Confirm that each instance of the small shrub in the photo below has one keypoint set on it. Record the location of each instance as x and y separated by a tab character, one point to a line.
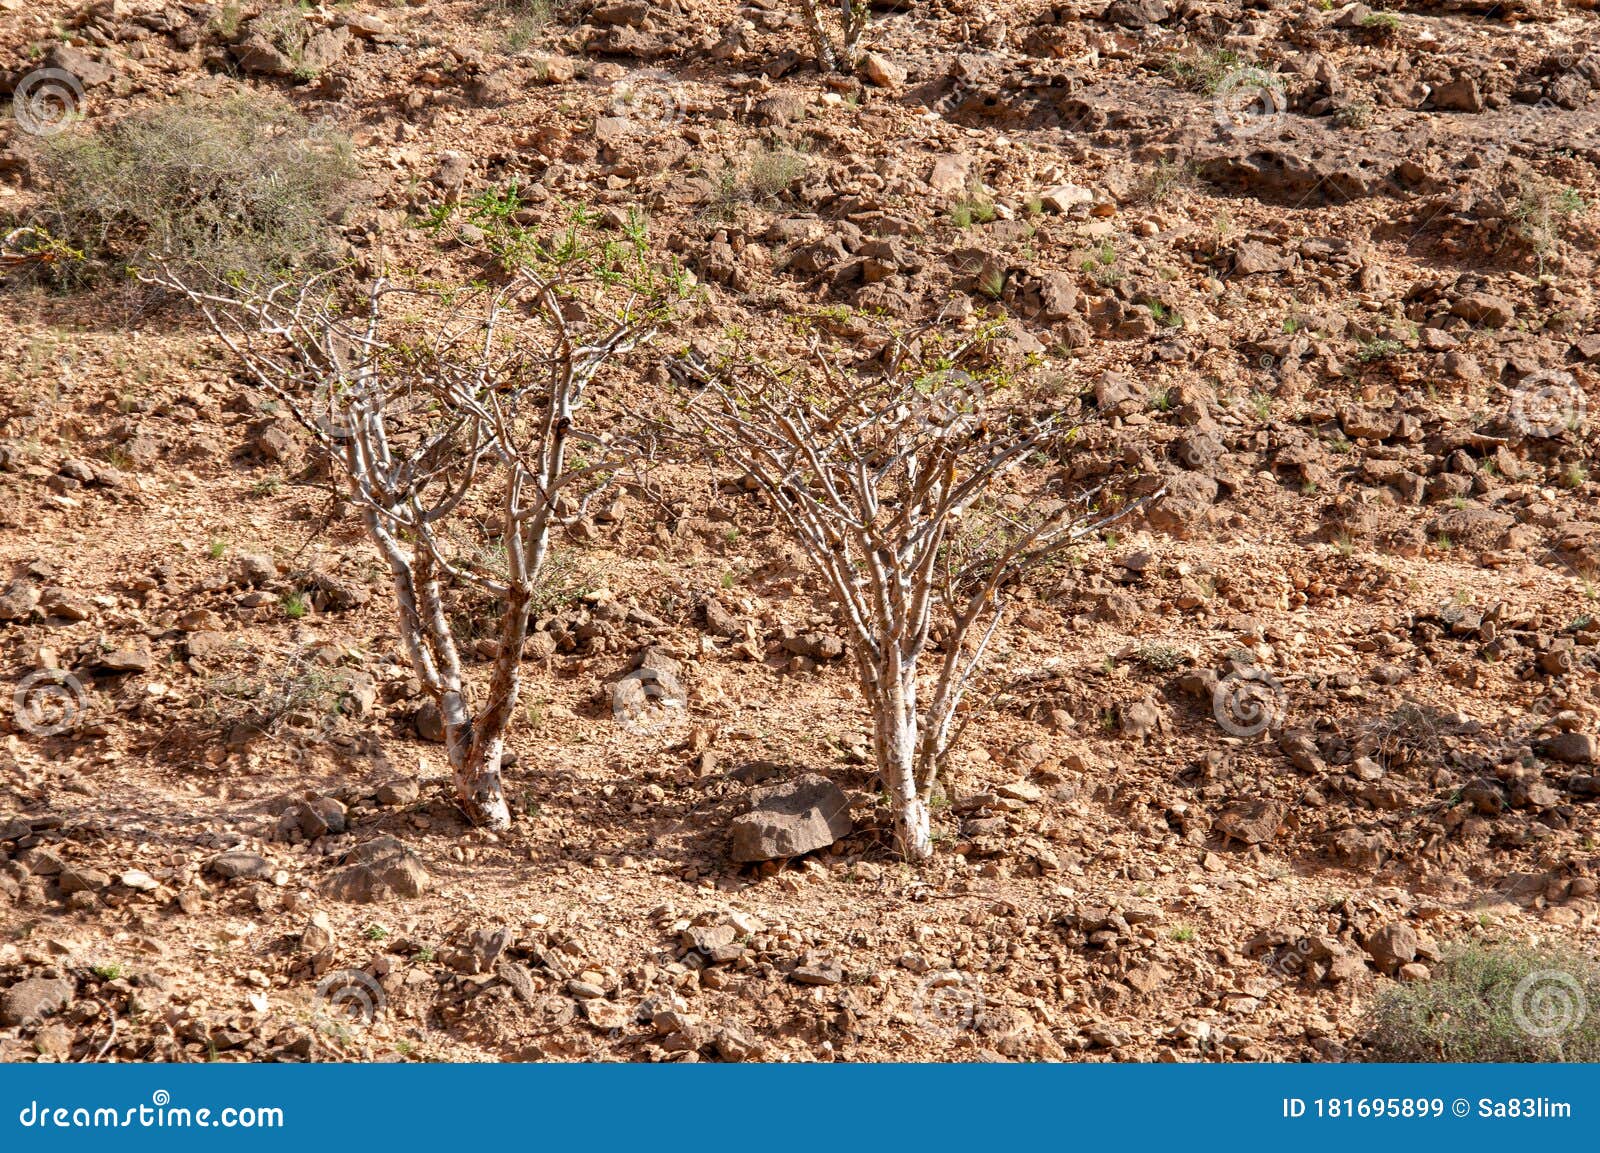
1373	350
528	20
772	171
286	29
1356	114
1492	1003
241	190
1203	73
764	174
1541	214
1380	24
1161	658
1168	176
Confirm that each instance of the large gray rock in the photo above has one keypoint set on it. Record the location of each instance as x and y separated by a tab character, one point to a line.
31	1001
798	816
378	870
237	863
1392	946
1573	748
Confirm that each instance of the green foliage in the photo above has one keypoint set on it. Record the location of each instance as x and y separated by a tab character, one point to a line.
1372	350
1203	73
1492	1003
578	250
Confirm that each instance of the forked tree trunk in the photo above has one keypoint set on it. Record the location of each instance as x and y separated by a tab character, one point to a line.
475	766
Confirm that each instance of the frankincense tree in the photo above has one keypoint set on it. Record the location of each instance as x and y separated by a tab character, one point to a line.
453	418
903	484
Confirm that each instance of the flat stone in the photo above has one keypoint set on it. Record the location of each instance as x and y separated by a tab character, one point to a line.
79	879
1572	748
124	661
798	816
236	863
817	970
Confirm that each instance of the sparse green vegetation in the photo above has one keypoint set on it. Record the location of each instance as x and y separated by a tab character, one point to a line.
527	20
1374	350
1356	114
1166	177
1201	73
1492	1003
974	209
1541	213
1380	24
763	175
1161	658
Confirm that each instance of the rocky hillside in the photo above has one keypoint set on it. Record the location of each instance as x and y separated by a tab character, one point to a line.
1264	752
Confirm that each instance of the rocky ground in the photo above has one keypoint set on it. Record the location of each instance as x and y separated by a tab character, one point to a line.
1328	272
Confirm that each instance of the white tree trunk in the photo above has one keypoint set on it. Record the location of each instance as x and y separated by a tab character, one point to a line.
895	747
475	767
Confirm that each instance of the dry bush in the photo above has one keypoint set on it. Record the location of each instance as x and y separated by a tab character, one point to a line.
240	191
1492	1003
